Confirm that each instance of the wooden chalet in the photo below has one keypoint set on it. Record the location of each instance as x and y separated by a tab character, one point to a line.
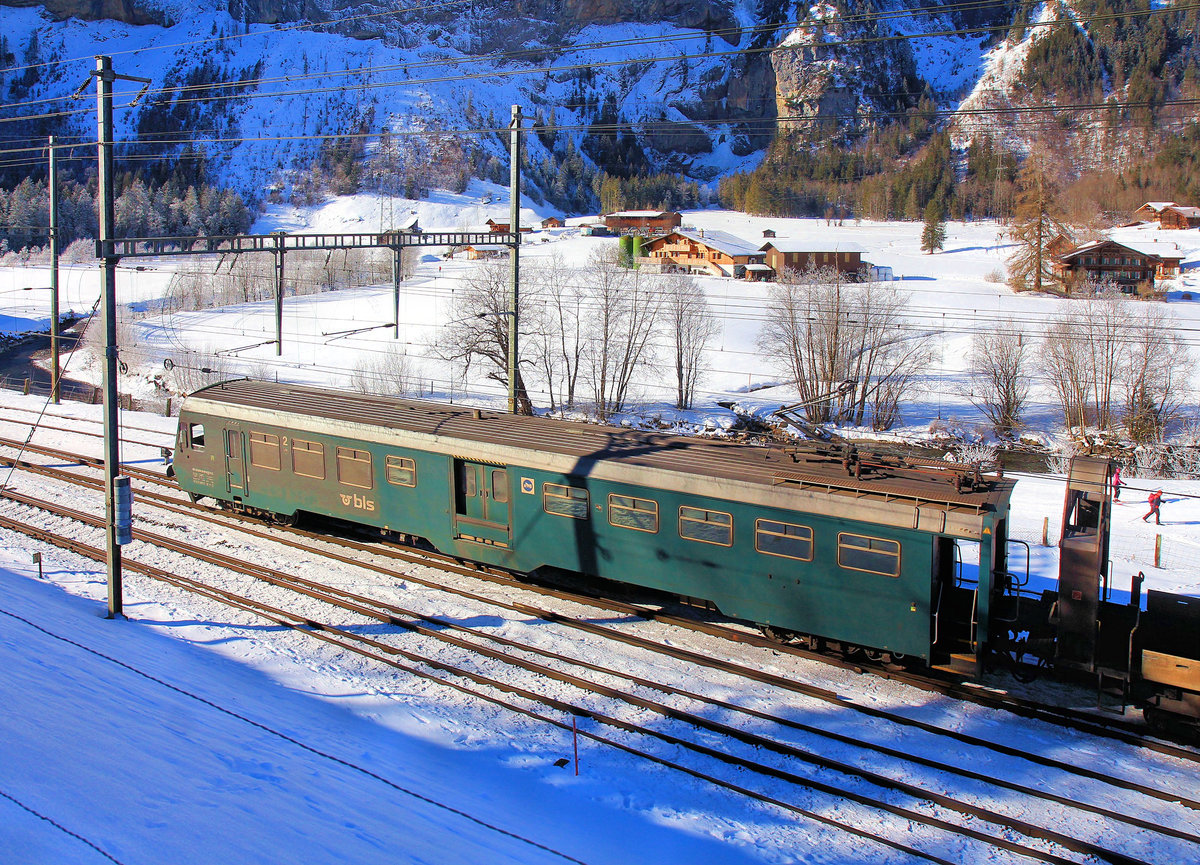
1179	216
1060	244
1128	265
1149	212
1168	214
503	227
552	222
716	253
485	251
642	221
786	254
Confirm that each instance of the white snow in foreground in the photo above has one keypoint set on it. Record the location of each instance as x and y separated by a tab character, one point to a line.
184	735
153	740
191	734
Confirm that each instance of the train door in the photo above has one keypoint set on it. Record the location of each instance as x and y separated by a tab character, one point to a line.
482	503
235	462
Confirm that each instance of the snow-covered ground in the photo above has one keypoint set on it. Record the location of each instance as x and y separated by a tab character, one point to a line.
191	734
259	753
952	297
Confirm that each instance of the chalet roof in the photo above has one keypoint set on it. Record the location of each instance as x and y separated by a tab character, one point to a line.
1185	210
1156	206
722	241
640	214
1156	248
488	247
760	268
792	244
1152	249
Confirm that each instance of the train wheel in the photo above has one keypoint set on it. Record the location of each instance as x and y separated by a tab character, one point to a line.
1158	720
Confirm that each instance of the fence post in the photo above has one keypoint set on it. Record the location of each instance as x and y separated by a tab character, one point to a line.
1157	551
168	413
1045	531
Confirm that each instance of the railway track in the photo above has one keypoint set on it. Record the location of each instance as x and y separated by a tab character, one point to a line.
551	666
552	616
1128	732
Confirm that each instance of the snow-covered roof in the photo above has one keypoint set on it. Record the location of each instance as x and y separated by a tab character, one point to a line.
1142	247
1185	210
723	241
639	214
793	244
760	268
1156	206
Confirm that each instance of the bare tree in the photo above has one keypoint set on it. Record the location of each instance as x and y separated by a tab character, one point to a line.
1155	372
823	331
480	319
1065	359
623	309
690	329
561	348
391	372
1081	352
997	383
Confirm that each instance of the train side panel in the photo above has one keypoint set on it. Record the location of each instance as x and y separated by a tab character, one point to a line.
849	581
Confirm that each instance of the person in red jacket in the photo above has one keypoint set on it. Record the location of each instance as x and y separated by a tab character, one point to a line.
1117	483
1154	501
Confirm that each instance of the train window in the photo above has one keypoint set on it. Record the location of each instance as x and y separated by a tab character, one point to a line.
565	501
401	471
354	467
264	451
308	459
631	513
783	539
196	435
873	555
709	527
500	486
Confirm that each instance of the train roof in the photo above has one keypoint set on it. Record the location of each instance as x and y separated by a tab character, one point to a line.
894	492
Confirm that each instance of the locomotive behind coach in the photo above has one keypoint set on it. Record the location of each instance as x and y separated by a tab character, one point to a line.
830	547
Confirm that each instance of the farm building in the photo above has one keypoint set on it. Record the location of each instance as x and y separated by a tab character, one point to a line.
642	221
786	254
1168	214
709	252
504	228
1149	212
484	251
1179	216
1126	264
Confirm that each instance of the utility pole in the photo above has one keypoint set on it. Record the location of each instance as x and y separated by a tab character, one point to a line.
514	184
55	366
105	249
116	488
397	275
278	293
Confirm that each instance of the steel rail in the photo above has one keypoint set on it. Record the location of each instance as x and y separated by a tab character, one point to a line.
826	695
371	608
387	654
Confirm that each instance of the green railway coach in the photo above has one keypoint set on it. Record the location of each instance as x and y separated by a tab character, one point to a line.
767	535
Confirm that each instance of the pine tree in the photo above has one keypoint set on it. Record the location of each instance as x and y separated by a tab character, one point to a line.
1035	224
933	236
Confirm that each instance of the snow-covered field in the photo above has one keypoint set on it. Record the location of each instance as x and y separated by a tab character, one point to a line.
185	735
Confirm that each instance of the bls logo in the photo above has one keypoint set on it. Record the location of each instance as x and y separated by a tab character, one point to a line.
356	501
